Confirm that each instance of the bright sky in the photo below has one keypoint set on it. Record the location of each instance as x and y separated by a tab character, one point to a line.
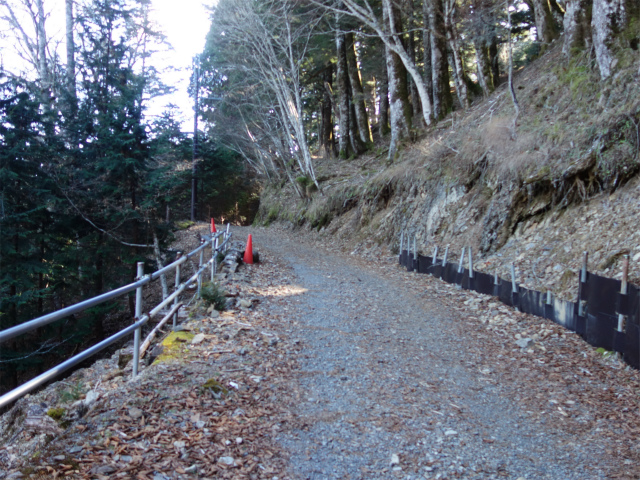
185	24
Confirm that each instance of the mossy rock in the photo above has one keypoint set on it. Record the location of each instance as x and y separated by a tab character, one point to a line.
123	360
214	387
175	347
56	413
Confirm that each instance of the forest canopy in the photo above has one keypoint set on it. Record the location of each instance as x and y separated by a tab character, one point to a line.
288	81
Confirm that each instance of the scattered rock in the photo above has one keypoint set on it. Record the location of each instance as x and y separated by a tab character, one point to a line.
198	339
227	461
103	470
245	303
395	459
135	413
525	343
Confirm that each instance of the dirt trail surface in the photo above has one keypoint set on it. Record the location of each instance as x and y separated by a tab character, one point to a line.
334	365
404	376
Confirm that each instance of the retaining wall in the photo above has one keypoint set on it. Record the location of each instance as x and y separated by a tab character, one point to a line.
601	300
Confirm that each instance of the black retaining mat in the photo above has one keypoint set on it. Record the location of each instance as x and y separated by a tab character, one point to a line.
506	296
600	330
450	273
563	313
423	264
632	345
483	283
601	294
602	297
532	302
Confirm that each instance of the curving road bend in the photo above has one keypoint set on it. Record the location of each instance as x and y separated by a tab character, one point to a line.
395	381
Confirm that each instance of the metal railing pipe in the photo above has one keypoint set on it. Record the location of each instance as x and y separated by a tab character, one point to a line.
155	275
197	250
49	375
25	327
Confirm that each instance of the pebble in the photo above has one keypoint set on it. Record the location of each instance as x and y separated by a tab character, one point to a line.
525	342
198	339
395	459
227	461
135	413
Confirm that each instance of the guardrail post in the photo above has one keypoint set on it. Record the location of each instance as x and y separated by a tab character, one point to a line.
470	264
583	279
226	237
435	255
444	259
401	241
175	300
136	334
461	264
199	272
514	286
623	289
213	256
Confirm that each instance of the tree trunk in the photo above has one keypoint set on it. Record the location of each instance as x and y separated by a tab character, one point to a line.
426	46
157	253
383	121
399	105
456	62
70	73
327	143
609	18
342	79
442	100
484	66
577	26
416	106
355	79
545	24
357	145
495	61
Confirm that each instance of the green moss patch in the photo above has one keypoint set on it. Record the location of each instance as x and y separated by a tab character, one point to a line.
175	347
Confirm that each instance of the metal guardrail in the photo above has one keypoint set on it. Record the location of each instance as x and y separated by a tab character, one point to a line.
141	280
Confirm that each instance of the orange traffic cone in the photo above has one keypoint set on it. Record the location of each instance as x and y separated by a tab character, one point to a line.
213	226
248	252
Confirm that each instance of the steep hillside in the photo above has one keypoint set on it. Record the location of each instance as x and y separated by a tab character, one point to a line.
564	182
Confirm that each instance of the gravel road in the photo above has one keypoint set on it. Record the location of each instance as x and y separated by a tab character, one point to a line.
394	383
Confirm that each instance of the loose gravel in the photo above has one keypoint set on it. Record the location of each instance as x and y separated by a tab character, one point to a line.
395	383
